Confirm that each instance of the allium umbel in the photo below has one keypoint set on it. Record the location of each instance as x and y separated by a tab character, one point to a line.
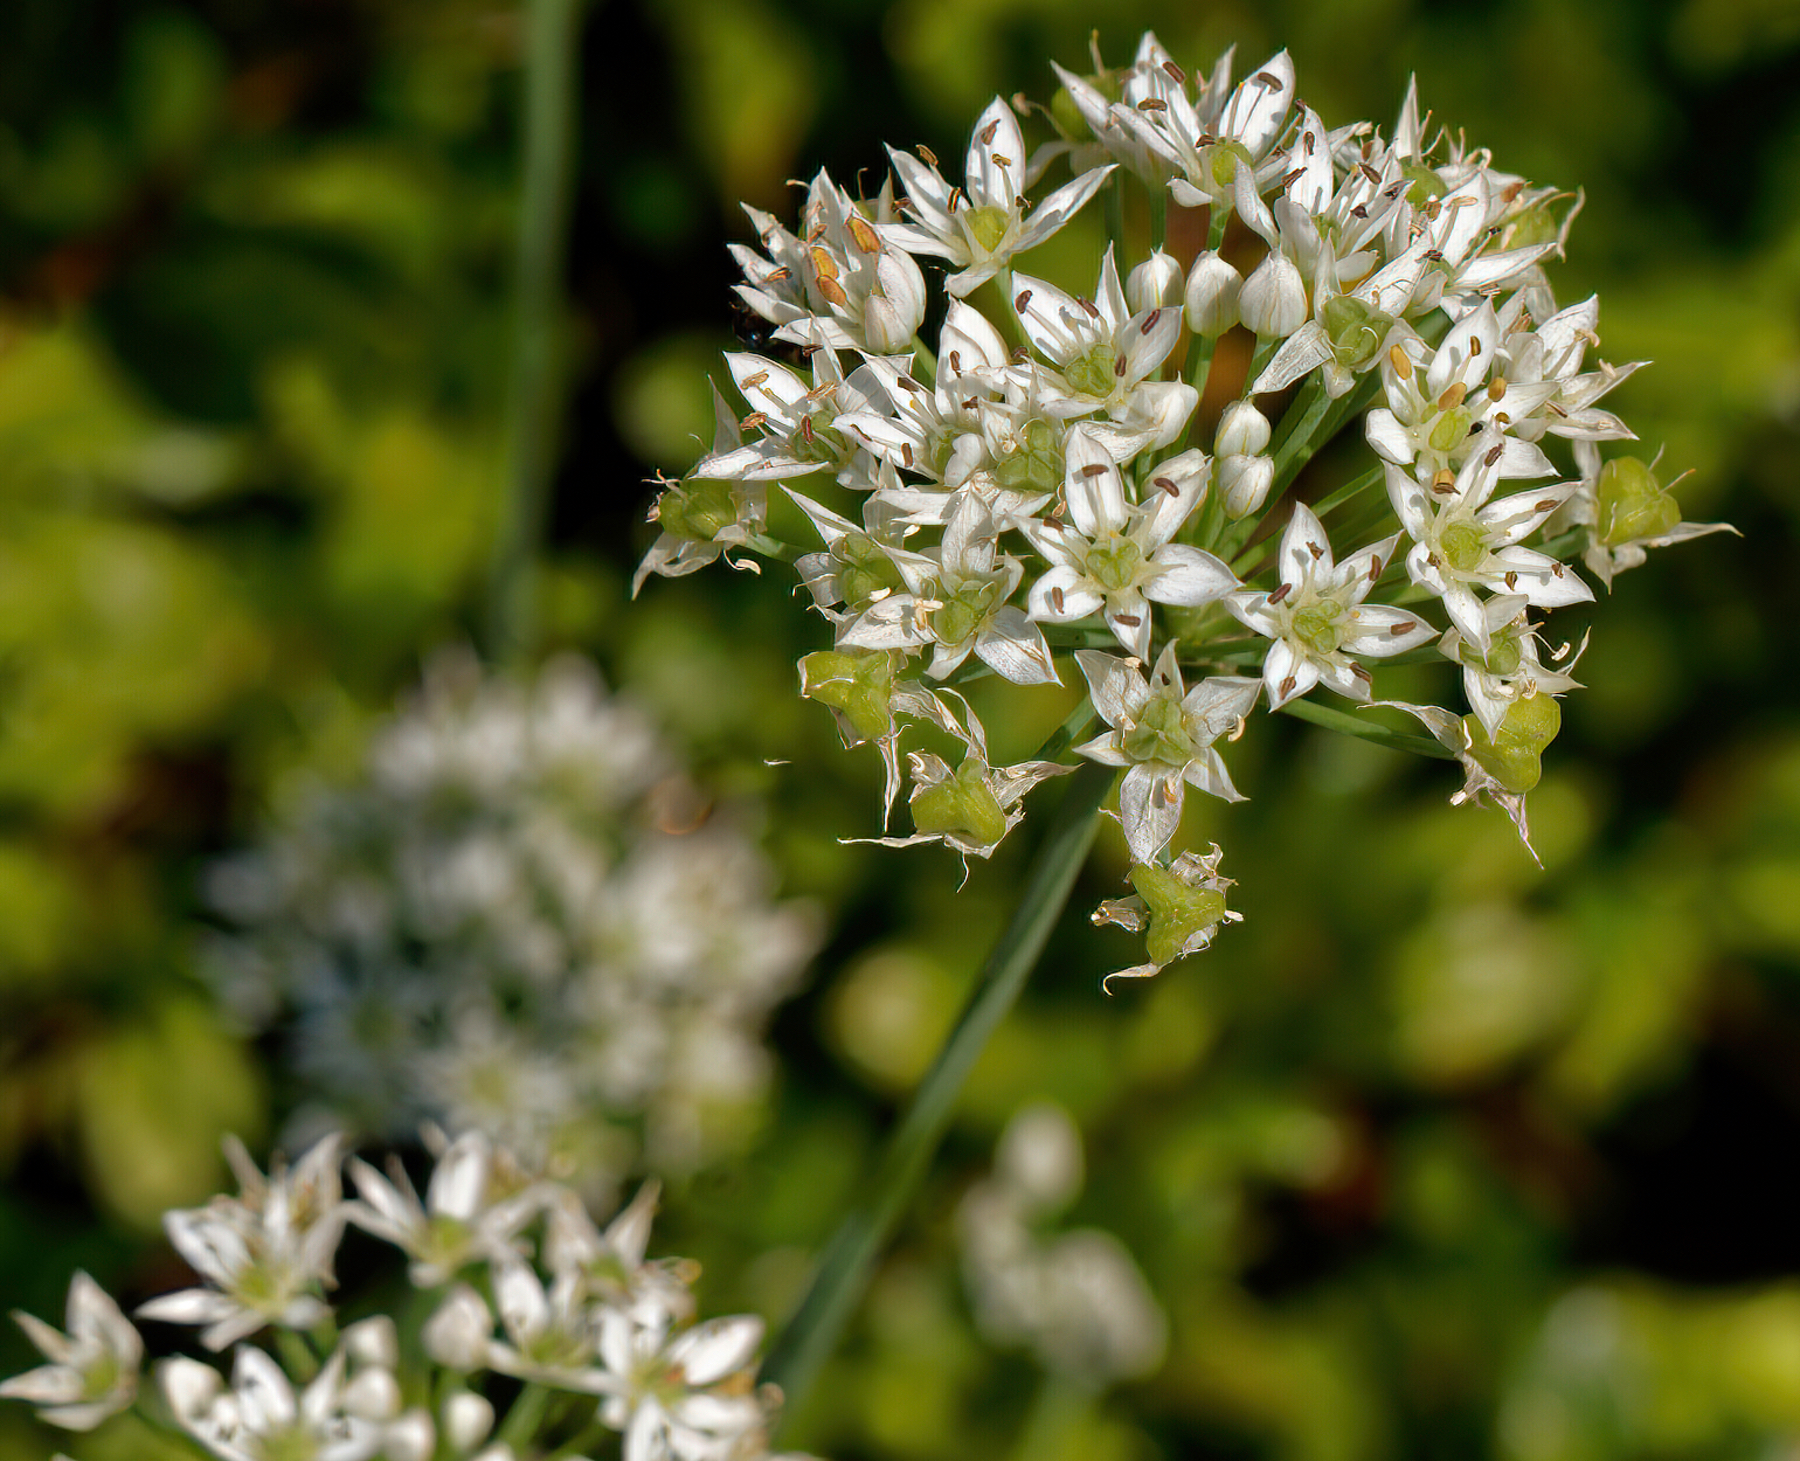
1041	479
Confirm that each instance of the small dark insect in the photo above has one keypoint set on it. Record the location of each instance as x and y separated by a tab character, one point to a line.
757	335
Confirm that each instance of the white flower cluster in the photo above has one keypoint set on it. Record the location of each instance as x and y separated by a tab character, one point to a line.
1100	474
520	921
1076	1298
599	1338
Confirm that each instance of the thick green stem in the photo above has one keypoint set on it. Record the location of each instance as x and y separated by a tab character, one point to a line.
844	1271
535	406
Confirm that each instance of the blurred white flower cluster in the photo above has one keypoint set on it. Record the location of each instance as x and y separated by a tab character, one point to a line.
522	921
537	1332
1076	1299
1104	471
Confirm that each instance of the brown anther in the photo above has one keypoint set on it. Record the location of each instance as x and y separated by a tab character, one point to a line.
989	132
1316	551
1281	593
1092	310
808	351
1434	256
956	196
1512	580
1266	79
806	428
1374	569
971	403
1056	598
753	420
1369	173
1022	299
1292	178
753	381
1359	211
1474	348
1020	355
955	362
1510	193
1500	419
1396	630
1095	469
1444	483
929	156
782	273
1361	673
1494	453
1130	621
1453	396
1152	104
907	383
1546	504
1556	570
1175	73
1551	405
1309	143
1001	161
1166	485
865	236
1287	686
1150	322
1119	366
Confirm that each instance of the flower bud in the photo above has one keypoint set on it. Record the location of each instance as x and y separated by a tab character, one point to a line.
1212	296
1632	504
1244	482
1272	303
410	1438
1243	431
1155	284
373	1395
467	1420
374	1341
457	1335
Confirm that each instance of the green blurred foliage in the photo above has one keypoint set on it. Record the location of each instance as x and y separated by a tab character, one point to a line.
1434	1154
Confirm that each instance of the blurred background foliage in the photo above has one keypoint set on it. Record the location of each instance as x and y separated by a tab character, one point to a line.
1434	1155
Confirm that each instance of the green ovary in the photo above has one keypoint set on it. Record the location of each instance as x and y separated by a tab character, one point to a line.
1450	430
1354	329
1513	755
697	510
1161	734
961	804
1464	546
821	444
1222	160
866	571
1423	182
1503	657
985	226
1319	627
858	683
1035	464
1094	374
964	612
1177	911
1632	503
1115	564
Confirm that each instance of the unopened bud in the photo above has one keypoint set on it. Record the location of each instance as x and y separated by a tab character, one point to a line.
410	1438
374	1341
896	305
374	1394
1156	283
1244	483
1243	431
467	1420
1212	296
1272	303
457	1335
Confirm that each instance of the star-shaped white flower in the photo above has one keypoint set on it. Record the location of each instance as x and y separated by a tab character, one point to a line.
93	1369
1317	618
1462	542
1164	736
680	1395
980	226
1116	557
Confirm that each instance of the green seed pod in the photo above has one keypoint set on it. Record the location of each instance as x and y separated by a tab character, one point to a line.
1096	373
867	569
961	803
1633	505
1035	464
1356	330
1423	184
1513	756
1177	911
